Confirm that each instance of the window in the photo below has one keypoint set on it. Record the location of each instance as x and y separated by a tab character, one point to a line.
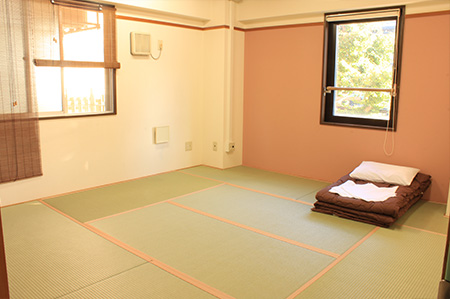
361	74
76	59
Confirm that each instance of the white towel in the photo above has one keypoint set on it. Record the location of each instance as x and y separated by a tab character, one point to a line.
367	192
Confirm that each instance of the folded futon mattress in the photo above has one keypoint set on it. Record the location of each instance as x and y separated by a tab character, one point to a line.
381	213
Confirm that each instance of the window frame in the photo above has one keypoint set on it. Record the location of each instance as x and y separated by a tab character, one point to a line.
329	67
109	63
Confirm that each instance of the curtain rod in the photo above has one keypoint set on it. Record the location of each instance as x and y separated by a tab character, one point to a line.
78	4
375	14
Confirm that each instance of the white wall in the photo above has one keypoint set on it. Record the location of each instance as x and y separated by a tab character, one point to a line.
214	95
182	90
162	92
223	92
237	106
184	11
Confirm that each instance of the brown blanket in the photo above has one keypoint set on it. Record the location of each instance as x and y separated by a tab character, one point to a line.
382	213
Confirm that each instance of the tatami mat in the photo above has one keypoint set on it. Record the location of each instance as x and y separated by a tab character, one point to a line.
100	202
265	181
392	263
143	282
244	232
426	215
281	217
233	260
49	256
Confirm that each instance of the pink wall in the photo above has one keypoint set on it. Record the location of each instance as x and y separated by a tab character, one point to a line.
282	94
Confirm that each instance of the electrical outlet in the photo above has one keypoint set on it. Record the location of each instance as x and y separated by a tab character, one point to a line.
214	146
231	146
188	146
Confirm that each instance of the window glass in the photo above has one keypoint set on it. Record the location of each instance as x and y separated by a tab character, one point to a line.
48	89
84	90
83	35
364	54
361	104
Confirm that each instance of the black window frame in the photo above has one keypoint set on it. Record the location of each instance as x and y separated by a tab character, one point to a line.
329	66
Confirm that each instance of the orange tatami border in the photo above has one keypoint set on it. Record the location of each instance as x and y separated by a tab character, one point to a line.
273	195
156	203
273	236
249	189
334	263
422	230
183	276
170	201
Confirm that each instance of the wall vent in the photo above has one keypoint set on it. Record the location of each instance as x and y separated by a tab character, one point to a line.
140	43
161	134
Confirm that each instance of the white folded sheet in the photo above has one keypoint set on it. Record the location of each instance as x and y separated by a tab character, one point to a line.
367	192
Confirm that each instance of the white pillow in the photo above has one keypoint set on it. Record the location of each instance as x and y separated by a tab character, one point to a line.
384	173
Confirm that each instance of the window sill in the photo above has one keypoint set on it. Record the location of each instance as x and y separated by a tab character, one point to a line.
63	116
357	126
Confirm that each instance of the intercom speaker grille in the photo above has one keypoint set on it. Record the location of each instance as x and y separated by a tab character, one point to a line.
140	43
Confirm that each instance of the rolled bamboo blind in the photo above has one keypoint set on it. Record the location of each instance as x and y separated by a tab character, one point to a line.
20	155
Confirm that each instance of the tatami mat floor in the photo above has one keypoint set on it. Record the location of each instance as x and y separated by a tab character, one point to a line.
204	233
